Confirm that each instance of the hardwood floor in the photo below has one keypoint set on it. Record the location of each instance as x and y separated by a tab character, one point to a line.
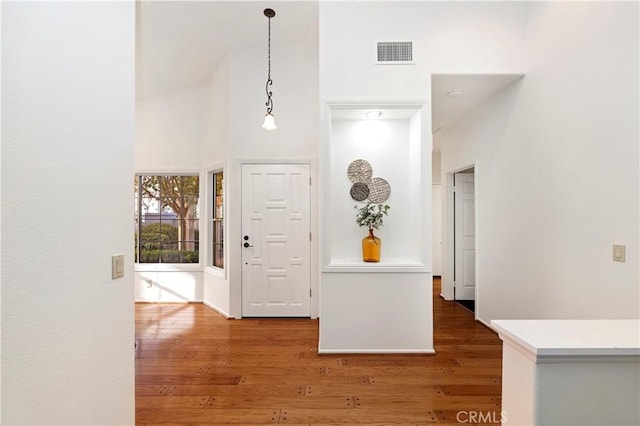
195	367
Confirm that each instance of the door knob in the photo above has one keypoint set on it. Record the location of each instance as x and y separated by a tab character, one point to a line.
247	245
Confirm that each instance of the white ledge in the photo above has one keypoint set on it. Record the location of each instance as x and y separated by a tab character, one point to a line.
385	265
375	351
168	267
545	341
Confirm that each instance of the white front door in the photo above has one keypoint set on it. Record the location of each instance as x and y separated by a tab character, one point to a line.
465	237
276	252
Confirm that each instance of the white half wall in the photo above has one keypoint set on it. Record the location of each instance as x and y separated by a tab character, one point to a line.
558	170
67	168
376	313
175	286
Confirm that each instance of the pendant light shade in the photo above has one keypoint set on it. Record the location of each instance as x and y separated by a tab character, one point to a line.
269	122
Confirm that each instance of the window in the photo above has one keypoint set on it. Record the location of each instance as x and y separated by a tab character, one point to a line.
167	218
218	219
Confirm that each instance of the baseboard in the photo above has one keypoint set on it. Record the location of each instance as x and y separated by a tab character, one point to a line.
218	310
483	322
377	351
166	302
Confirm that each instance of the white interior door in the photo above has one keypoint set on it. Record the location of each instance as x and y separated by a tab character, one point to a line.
276	252
465	237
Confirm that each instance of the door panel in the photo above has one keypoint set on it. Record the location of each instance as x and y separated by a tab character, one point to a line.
276	277
465	235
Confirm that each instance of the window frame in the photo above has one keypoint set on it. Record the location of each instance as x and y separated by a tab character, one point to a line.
175	267
210	200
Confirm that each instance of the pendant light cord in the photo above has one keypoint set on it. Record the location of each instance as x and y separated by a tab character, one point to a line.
269	103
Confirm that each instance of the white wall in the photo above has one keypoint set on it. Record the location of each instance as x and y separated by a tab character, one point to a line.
558	173
294	70
169	131
436	213
170	137
436	229
218	124
436	167
67	167
215	116
215	152
448	37
0	226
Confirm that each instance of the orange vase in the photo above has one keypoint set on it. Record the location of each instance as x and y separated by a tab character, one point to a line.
371	248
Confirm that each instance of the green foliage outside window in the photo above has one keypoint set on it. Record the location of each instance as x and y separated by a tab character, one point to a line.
167	219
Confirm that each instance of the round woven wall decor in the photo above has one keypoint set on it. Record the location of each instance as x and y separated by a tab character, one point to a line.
359	191
360	171
379	190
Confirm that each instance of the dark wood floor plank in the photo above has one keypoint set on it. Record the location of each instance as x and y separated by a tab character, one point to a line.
385	415
291	391
203	416
442	402
171	401
266	401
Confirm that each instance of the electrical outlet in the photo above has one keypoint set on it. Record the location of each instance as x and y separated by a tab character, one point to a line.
619	253
117	266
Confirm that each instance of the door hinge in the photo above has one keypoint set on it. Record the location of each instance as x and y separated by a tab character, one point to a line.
309	180
309	292
309	236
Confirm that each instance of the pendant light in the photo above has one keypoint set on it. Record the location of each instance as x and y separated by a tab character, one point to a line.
269	122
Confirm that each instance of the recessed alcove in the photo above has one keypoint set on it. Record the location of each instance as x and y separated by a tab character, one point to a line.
393	145
386	306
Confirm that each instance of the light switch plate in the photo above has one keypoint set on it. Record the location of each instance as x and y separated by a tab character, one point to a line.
117	266
619	253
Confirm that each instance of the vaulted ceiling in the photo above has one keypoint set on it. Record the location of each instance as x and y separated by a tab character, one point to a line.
180	43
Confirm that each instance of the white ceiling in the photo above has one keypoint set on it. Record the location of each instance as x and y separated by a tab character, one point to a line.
476	89
180	43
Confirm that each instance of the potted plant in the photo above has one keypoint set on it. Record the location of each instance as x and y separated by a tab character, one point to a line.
371	215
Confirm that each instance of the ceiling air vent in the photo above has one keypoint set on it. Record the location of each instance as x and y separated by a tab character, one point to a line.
394	52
